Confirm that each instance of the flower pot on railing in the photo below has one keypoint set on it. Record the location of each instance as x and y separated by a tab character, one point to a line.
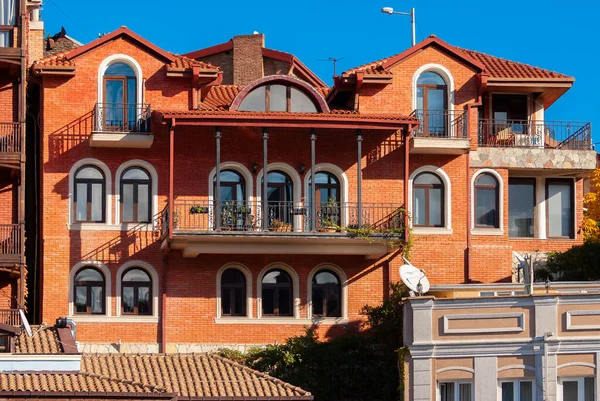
280	226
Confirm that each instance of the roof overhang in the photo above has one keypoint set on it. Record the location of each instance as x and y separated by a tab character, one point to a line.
550	89
46	70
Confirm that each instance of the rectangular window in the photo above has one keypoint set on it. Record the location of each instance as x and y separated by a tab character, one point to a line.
453	391
559	207
576	389
521	207
517	390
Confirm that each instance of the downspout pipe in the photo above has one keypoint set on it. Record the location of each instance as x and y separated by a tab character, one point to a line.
407	136
469	209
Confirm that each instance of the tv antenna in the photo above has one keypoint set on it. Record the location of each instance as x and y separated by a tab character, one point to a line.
334	60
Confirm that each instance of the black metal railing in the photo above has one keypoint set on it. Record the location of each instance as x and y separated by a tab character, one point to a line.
10	137
287	217
535	134
122	117
441	124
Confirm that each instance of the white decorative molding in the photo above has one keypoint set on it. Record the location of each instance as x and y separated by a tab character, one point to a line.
343	286
509	367
488	230
571	326
154	182
295	290
154	277
447	229
328	321
238	168
130	61
107	288
585	364
248	275
461	368
483	316
107	186
438	69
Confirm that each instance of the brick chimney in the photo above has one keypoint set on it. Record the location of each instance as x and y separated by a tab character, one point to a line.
247	58
35	32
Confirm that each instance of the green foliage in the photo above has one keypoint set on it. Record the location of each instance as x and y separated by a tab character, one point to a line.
352	366
580	263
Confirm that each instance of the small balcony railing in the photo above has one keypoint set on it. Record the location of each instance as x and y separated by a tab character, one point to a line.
122	117
6	35
10	137
441	124
347	218
535	134
11	241
10	317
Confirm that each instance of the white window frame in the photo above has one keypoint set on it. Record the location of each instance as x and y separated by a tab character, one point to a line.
295	292
72	224
246	272
456	388
580	387
517	388
343	295
447	228
343	180
154	195
155	295
491	230
107	290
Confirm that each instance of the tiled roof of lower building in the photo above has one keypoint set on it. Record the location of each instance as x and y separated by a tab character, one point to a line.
45	340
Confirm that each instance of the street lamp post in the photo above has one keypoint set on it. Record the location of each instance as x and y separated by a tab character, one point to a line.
390	11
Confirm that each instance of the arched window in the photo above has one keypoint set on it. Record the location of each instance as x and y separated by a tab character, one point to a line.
487	201
277	293
432	103
280	191
233	186
233	293
136	196
326	294
89	195
428	200
89	291
278	97
327	191
120	100
136	292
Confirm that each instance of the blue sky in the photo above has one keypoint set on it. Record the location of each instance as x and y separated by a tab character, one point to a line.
560	36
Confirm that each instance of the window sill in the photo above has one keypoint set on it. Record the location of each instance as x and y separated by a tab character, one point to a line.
540	239
432	231
110	227
487	231
113	319
283	320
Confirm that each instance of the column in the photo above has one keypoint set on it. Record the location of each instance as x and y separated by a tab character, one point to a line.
486	378
359	139
313	187
217	191
171	173
265	206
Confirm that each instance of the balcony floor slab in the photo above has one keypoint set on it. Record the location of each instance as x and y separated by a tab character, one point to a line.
439	146
121	140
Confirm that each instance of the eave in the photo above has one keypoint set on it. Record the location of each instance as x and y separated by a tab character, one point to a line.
179	72
54	70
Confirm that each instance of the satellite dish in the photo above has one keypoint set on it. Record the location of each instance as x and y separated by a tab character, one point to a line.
25	323
415	279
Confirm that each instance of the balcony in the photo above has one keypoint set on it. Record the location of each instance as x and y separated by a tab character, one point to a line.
11	244
337	229
534	144
122	125
7	41
441	132
10	142
10	317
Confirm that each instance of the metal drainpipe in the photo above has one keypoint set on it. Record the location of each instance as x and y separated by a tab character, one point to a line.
406	177
468	182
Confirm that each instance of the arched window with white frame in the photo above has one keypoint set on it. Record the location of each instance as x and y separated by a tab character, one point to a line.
429	201
136	192
278	292
137	291
327	292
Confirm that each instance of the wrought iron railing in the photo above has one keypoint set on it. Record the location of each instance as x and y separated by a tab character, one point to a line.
10	137
535	134
441	124
10	240
10	317
287	217
122	117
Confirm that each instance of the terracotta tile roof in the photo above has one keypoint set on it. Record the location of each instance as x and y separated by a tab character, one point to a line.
44	341
191	375
220	97
184	62
71	382
60	42
375	68
55	60
498	67
324	91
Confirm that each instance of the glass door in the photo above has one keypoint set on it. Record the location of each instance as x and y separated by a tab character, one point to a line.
432	99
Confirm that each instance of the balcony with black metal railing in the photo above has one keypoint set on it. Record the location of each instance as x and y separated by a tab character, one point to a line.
122	125
441	132
539	144
285	227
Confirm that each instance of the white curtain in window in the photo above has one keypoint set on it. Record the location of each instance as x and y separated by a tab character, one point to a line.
7	17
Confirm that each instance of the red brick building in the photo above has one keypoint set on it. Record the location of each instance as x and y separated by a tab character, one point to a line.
141	250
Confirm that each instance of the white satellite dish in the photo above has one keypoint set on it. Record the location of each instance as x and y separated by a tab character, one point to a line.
415	279
25	323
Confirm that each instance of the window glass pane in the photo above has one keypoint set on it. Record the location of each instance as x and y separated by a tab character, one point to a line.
428	178
588	387
486	179
127	299
419	98
560	213
301	103
508	391
89	275
233	276
226	301
97	299
143	300
239	302
81	299
526	391
276	276
464	392
127	200
419	206
226	193
268	305
485	209
278	177
285	297
136	275
113	97
136	174
278	98
521	198
332	297
119	69
81	212
143	206
89	173
435	207
325	277
254	101
570	390
97	195
430	78
447	391
317	301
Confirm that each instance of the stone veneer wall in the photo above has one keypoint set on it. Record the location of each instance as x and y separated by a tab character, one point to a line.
534	158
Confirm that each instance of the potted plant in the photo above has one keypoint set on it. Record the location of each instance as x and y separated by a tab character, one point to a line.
330	215
227	216
176	219
197	209
280	226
